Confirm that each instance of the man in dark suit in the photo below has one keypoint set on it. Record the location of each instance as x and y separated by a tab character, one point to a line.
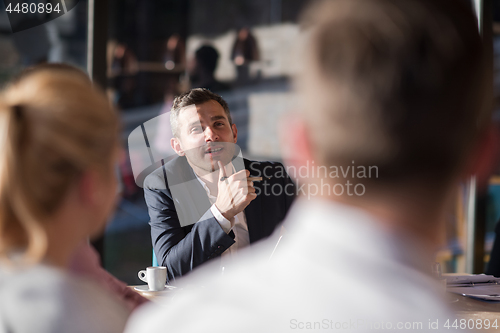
209	201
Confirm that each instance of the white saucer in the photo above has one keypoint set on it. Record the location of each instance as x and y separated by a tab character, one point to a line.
145	288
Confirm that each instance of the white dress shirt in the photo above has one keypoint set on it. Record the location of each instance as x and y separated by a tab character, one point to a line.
240	227
336	270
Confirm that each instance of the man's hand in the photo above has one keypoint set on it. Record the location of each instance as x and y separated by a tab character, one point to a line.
235	192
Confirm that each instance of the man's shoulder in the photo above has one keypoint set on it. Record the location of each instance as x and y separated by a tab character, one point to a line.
158	179
262	164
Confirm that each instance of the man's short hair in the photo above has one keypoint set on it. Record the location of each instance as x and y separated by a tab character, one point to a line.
194	96
397	84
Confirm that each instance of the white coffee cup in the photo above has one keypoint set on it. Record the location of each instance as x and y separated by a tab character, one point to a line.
156	277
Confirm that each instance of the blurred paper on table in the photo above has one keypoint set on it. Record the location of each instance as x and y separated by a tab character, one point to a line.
488	292
470	280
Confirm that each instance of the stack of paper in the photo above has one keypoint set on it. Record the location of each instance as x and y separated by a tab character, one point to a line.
484	287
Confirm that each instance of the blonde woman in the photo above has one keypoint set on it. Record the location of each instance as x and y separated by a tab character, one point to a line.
58	148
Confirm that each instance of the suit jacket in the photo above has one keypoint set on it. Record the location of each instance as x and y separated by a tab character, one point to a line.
184	231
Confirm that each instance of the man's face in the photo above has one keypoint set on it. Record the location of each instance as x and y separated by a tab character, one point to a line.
205	136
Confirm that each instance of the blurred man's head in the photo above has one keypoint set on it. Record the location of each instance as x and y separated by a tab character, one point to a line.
203	129
397	84
206	58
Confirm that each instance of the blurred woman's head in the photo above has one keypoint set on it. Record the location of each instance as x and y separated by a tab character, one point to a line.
58	145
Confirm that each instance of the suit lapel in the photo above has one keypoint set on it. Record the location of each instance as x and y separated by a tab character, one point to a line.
190	198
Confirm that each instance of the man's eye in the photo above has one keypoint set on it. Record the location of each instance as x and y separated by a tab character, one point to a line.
219	124
195	130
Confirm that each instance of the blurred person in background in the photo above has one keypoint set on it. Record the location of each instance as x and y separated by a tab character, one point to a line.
174	54
397	85
245	50
202	69
123	70
123	60
59	139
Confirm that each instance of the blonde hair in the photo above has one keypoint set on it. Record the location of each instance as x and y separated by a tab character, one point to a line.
53	126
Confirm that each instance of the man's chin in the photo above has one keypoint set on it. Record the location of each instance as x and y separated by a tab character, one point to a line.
213	164
204	166
209	163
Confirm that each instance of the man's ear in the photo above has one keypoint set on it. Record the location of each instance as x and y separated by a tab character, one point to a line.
176	146
235	132
295	141
484	157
